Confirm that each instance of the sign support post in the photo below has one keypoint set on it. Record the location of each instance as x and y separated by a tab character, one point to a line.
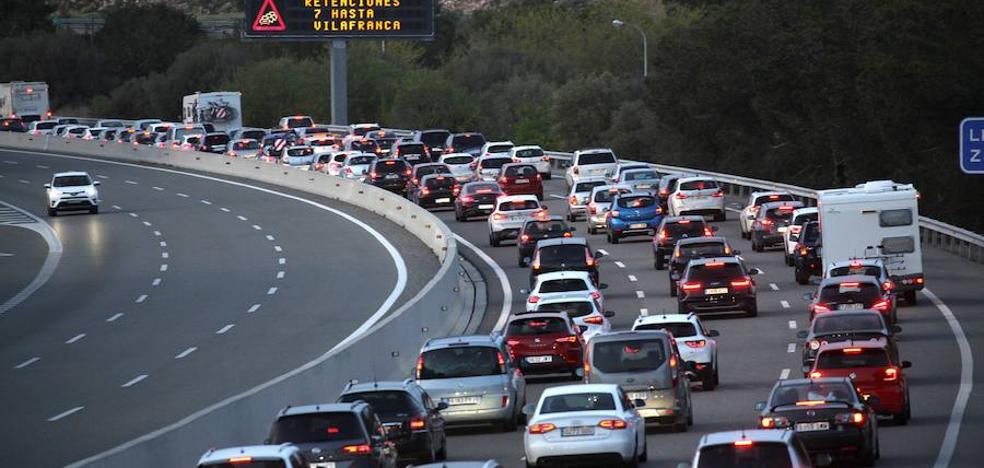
339	82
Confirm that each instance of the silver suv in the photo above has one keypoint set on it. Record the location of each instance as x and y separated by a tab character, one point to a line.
267	456
475	377
71	191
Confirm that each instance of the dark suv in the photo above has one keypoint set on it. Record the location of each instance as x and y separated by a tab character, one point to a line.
411	152
420	170
806	255
852	292
717	285
469	142
411	419
771	220
328	434
389	174
673	228
436	191
476	199
433	140
537	229
564	254
12	125
696	247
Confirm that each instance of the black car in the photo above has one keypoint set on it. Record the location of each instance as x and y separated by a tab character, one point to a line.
468	142
667	185
411	152
858	325
411	419
213	143
419	171
436	191
433	140
389	174
12	125
564	254
537	229
695	247
828	415
717	285
672	229
806	254
327	434
147	138
771	220
476	199
851	292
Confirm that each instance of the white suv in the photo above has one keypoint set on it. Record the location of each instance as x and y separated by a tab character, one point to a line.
596	162
755	200
791	236
71	191
272	456
534	155
583	309
697	195
509	215
696	343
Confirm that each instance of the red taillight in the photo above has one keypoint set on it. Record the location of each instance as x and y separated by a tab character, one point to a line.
245	459
541	428
545	158
408	172
891	374
888	285
567	339
577	170
795	229
420	366
594	320
373	175
524	238
803	251
684	221
857	417
662	235
424	191
852	350
814	375
820	308
467	199
498	216
743	443
502	362
503	180
708	232
691	286
612	424
718	194
882	305
361	449
596	294
681	196
664	192
568	234
348	170
456	189
614	213
697	344
505	399
592	209
417	424
742	283
533	299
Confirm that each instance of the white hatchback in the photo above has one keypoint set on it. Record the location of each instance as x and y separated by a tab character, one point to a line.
583	309
534	155
509	215
695	342
796	222
461	165
559	284
597	162
698	195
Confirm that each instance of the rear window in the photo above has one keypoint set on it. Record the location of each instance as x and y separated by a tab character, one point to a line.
538	227
439	181
815	391
780	213
411	148
636	202
852	357
864	293
459	361
386	404
811	233
482	188
499	148
587	186
246	145
596	158
368	146
296	122
520	171
563	285
300	152
322	142
578	402
699	185
362	130
628	356
758	455
537	326
253	134
434	139
72	181
804	218
339	158
435	169
677	329
566	254
250	464
529	153
458	160
604	196
714	271
640	175
462	142
390	166
494	163
216	139
680	228
361	160
866	270
833	323
319	427
702	249
45	125
773	198
519	205
573	309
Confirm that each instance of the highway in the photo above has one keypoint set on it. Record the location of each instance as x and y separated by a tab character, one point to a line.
183	291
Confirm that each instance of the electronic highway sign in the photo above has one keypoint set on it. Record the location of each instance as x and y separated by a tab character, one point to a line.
308	20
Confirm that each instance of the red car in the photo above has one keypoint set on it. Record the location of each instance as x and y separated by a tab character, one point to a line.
874	370
545	343
521	179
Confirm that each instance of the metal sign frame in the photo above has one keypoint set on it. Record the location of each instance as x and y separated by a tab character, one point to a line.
296	20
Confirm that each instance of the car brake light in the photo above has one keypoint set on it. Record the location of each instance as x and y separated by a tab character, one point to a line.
541	428
891	374
852	350
684	221
708	232
568	234
502	362
773	197
524	238
681	196
417	424
803	251
854	417
662	235
814	345
742	283
697	344
361	449
592	209
498	216
814	375
595	295
614	213
456	189
246	459
743	443
811	402
533	299
820	308
881	305
594	320
567	339
612	424
577	170
714	264
424	191
545	158
691	286
888	285
718	194
373	175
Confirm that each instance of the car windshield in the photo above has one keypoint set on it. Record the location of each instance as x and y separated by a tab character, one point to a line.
787	395
698	185
458	160
316	427
246	145
677	329
252	134
640	175
494	163
865	270
435	169
833	323
529	153
434	139
72	181
684	228
773	198
573	309
636	355
636	202
811	233
463	142
755	455
524	171
849	291
701	249
361	160
299	122
519	205
595	158
439	181
714	271
250	464
300	152
780	214
563	285
537	326
578	402
386	404
390	166
459	361
216	139
482	188
544	227
587	186
852	357
563	254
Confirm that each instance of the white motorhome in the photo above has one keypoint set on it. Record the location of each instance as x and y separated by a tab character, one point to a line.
875	219
222	109
27	100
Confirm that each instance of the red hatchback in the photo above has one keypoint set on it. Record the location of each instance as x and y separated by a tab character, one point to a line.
545	343
521	179
874	370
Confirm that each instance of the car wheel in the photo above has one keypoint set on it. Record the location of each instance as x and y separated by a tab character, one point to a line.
802	277
633	462
717	379
752	311
660	263
682	309
910	297
547	175
94	210
52	212
789	260
680	427
570	217
443	453
673	291
591	230
457	216
709	382
867	458
509	426
521	262
724	215
644	456
493	239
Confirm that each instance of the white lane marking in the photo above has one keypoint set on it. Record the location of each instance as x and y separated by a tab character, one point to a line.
272	291
278	248
158	188
620	264
147	223
182	195
784	374
164	267
269	237
206	202
603	251
733	210
282	261
130	182
42	166
791	348
242	218
163	244
633	279
143	297
640	294
165	255
257	227
12	162
134	381
117	207
75	338
225	209
952	434
134	215
792	324
24	181
643	311
115	316
185	353
66	414
784	304
761	271
558	197
6	254
253	308
774	286
157	233
503	281
280	275
27	363
50	264
224	329
156	282
102	176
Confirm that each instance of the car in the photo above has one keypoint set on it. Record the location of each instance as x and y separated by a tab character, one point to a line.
874	267
110	123
545	343
323	144
674	228
537	229
248	132
42	127
363	145
717	285
362	129
216	142
807	253
585	423
750	447
509	215
532	154
59	130
614	174
410	417
335	433
585	310
420	170
475	377
695	247
667	185
385	140
176	132
756	199
187	143
827	414
356	165
695	343
599	202
273	146
557	283
145	138
874	369
433	141
72	191
633	214
595	162
489	167
771	223
109	134
124	136
72	132
265	456
640	180
476	199
648	366
564	254
332	163
800	217
842	326
322	161
162	127
580	195
521	179
246	149
496	148
139	125
389	174
411	152
460	165
306	134
435	191
299	157
851	292
93	133
295	121
468	142
698	195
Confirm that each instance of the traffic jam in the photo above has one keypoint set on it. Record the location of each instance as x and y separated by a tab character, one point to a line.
858	246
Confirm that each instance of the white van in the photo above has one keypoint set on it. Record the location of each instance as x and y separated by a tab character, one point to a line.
875	219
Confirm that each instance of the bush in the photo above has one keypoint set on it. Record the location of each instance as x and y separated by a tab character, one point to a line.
145	38
277	87
73	70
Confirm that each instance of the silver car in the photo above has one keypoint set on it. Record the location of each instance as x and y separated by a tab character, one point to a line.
643	180
357	165
475	377
599	203
462	166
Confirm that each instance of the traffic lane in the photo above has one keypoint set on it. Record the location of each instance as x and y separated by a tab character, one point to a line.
22	253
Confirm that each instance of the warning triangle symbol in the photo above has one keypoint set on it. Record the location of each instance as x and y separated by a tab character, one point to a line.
268	18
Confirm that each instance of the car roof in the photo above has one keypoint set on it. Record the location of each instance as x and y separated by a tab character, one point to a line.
436	176
539	314
705	260
635	193
859	261
593	150
755	435
605	188
695	178
490	143
256	451
562	241
579	388
702	240
514	164
454	155
674	219
665	318
769	192
835	280
319	408
806	381
70	174
629	335
381	386
637	169
557	275
805	210
871	343
848	313
469	340
540	219
569	296
778	204
525	147
592	179
512	198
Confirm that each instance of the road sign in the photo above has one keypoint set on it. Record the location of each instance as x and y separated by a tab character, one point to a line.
972	145
307	20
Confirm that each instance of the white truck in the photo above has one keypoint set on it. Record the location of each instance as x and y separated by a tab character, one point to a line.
875	219
27	100
222	109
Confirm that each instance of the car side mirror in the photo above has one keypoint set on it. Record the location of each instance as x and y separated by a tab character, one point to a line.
759	406
715	228
524	291
872	400
754	271
442	406
528	409
609	313
896	329
47	186
736	252
906	364
598	255
603	286
638	403
97	183
713	333
801	334
824	459
808	297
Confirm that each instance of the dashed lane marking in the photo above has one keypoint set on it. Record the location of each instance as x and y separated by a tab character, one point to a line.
147	223
242	218
784	374
225	209
620	264
114	317
163	244
784	304
134	381
644	312
280	275
165	255
633	279
272	291
27	363
102	176
117	207
164	267
640	294
66	413
224	329
182	195
24	181
42	166
603	251
278	248
257	227
143	297
158	188
774	286
206	202
134	215
270	238
157	233
156	282
282	261
253	308
791	348
792	324
558	197
130	182
185	353
75	338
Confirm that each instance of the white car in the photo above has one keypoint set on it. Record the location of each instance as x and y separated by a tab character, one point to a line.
580	195
559	283
615	174
357	165
582	308
497	148
695	342
72	191
593	420
756	199
334	167
599	203
753	447
298	157
110	123
640	180
698	195
532	154
489	167
509	215
93	133
295	121
460	165
796	222
360	129
590	163
323	145
75	131
268	456
42	127
143	124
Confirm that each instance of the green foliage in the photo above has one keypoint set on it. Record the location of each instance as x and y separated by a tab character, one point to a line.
428	99
20	17
277	87
72	69
145	38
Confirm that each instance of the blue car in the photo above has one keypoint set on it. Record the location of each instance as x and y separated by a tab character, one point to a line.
633	214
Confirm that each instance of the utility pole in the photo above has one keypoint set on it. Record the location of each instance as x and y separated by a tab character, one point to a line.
339	82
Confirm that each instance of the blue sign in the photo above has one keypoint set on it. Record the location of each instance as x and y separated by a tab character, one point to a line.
972	145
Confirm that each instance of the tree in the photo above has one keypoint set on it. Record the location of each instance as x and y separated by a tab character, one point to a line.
145	38
277	87
73	70
20	17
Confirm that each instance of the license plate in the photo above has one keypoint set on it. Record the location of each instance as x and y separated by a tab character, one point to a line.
716	291
850	307
443	200
471	400
392	176
644	186
813	426
783	228
522	181
322	465
486	207
577	431
638	395
538	359
638	226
